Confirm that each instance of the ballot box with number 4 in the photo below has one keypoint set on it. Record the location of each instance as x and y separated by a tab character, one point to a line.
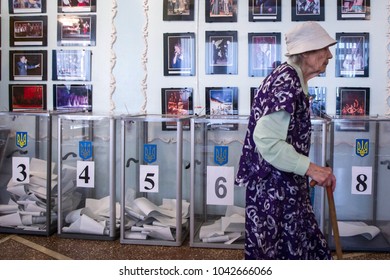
88	199
155	179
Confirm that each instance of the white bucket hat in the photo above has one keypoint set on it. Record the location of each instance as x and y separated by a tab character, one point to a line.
308	36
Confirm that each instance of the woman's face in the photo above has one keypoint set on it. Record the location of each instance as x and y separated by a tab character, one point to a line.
316	61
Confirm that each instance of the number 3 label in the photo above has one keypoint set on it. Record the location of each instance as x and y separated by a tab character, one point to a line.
21	170
361	180
220	185
85	174
148	178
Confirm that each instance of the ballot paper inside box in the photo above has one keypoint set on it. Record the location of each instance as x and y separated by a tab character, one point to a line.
27	174
88	200
155	180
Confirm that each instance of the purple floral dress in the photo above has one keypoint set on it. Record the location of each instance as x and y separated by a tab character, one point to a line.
280	222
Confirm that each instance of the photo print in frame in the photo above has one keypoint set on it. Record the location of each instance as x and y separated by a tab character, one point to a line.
303	10
179	54
28	31
264	10
221	52
180	10
176	102
76	30
352	57
264	53
317	99
26	6
28	65
72	65
221	10
27	97
353	10
75	96
76	6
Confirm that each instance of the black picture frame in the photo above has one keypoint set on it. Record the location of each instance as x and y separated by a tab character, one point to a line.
221	52
28	65
28	31
179	54
29	7
176	102
27	97
72	96
71	65
221	101
352	55
268	10
216	11
176	11
264	53
252	94
74	6
302	10
347	11
317	97
352	102
76	30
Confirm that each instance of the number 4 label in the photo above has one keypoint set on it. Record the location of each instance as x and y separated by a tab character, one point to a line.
361	180
85	174
220	185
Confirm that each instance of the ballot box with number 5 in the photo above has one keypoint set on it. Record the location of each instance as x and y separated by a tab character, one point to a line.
88	200
155	178
360	158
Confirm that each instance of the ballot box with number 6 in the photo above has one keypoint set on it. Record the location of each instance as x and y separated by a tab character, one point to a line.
88	200
360	158
155	178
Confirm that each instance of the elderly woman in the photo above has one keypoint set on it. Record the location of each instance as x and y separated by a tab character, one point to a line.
274	166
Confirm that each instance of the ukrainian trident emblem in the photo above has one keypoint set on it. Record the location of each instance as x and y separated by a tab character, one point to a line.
221	154
21	139
85	149
150	153
362	147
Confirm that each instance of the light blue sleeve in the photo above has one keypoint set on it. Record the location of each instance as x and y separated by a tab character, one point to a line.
270	138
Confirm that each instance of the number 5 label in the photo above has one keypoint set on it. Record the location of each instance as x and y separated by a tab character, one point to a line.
361	180
21	170
148	178
85	174
220	185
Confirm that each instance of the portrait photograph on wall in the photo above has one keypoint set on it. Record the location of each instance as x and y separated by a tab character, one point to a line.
27	97
178	10
221	10
26	6
317	97
352	55
305	10
264	10
353	9
72	65
176	102
67	97
179	54
76	30
76	6
264	53
28	65
28	31
221	52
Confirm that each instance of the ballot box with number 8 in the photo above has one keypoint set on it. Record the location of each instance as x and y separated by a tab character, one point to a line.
155	178
88	199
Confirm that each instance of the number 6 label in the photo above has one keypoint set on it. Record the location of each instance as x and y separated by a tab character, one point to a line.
220	185
21	170
85	174
361	180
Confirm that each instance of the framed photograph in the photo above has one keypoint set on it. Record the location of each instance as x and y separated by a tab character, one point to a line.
179	54
352	57
264	53
176	101
28	31
264	10
221	101
221	52
253	91
76	6
72	65
76	30
178	10
26	6
304	10
67	97
29	65
353	9
221	10
353	101
27	97
317	97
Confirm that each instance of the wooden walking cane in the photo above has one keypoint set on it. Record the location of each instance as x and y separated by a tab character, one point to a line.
333	219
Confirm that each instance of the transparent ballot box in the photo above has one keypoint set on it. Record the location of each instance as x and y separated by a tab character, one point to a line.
28	179
360	158
217	204
88	206
155	179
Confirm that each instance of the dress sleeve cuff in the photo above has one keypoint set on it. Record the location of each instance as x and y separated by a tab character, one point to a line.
302	165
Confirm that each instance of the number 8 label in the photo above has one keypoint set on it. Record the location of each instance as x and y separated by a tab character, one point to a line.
361	180
220	185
